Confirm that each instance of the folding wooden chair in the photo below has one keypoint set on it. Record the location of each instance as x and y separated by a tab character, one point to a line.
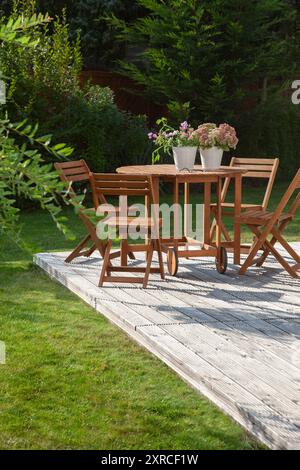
262	168
129	185
78	172
263	224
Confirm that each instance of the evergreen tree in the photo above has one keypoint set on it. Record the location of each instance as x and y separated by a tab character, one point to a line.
217	55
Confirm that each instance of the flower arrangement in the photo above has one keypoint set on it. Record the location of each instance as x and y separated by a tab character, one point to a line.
167	138
209	135
184	142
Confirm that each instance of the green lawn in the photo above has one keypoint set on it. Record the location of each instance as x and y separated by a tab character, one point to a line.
72	380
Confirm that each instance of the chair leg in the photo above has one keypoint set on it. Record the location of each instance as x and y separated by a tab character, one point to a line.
89	252
93	234
261	260
270	249
276	233
148	242
254	249
264	256
149	261
106	262
76	252
296	266
282	261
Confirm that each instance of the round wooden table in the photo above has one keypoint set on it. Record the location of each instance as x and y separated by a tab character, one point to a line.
161	172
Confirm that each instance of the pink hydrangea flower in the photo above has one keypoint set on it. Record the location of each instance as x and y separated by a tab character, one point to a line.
210	135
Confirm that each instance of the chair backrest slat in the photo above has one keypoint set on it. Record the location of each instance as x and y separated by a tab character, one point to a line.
257	174
120	185
253	161
73	171
78	177
262	168
114	184
257	168
72	164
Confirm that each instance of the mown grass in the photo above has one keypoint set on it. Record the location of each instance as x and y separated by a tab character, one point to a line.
74	381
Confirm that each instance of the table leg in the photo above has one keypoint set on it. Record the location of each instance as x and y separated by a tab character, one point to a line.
155	189
219	217
186	208
123	253
155	202
207	209
176	213
237	226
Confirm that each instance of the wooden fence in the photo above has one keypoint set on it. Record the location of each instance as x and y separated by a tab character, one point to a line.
129	96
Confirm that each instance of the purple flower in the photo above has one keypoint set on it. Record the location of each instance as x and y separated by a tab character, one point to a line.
184	126
152	136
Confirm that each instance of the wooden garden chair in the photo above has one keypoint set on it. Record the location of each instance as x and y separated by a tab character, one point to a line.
78	172
121	185
262	168
263	224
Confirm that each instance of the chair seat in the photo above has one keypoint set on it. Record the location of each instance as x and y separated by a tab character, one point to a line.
260	217
142	222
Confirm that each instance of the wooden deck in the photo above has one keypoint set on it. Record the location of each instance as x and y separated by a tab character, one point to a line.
235	339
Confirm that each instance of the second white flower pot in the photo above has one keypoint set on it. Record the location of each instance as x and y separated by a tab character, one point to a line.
184	157
211	159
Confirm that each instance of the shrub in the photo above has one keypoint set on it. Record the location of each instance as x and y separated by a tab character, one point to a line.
100	133
23	172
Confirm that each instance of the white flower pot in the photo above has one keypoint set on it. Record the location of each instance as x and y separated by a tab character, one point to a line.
184	157
211	158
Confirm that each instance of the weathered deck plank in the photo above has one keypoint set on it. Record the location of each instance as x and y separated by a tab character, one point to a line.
235	339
